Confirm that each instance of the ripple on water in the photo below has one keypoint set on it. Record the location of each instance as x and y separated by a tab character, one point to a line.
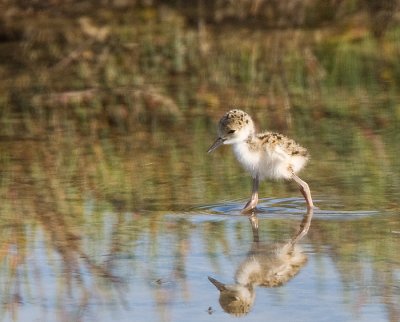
281	207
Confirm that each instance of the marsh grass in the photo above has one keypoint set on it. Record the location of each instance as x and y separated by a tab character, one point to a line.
117	67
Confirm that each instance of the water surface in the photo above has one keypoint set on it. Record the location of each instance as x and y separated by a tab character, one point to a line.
101	229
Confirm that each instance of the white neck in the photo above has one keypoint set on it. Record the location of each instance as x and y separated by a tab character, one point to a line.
248	159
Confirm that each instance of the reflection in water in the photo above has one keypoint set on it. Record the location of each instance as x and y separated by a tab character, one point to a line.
84	237
268	265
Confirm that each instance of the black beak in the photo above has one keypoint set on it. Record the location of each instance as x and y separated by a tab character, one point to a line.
216	144
220	286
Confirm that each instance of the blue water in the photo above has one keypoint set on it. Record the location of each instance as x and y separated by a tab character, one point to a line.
161	267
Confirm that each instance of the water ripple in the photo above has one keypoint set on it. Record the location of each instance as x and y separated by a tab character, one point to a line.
281	207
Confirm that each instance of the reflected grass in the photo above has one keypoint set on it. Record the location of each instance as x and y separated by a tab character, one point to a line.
360	251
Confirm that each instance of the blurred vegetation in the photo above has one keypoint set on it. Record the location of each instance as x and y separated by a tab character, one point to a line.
114	63
162	73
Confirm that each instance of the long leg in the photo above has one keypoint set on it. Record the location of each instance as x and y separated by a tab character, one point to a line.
252	203
305	190
304	226
254	226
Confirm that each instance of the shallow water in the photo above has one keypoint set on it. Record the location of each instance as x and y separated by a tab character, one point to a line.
101	229
155	266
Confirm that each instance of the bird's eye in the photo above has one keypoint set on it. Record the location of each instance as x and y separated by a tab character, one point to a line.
231	131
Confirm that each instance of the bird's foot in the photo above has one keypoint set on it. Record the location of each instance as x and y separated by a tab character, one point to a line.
313	207
250	207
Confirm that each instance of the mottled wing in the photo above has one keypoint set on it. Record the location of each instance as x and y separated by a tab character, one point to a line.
279	142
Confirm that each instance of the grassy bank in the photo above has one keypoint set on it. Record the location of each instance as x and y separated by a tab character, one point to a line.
106	67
